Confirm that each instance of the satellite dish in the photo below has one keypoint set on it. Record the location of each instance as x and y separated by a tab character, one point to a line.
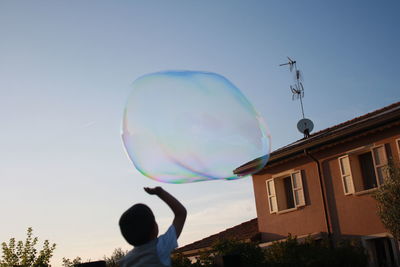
305	126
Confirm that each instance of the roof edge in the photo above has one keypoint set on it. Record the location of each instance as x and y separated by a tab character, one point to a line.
374	119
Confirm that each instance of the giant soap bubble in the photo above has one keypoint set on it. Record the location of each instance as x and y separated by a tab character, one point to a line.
188	126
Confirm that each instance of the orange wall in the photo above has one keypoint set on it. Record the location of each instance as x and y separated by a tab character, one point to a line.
354	214
348	215
305	220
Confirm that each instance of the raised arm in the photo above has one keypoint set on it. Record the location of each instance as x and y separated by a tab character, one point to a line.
178	209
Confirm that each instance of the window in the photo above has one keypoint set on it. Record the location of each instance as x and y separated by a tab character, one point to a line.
363	169
285	192
367	170
398	146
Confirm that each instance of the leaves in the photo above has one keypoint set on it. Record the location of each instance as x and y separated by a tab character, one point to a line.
70	263
251	255
113	260
288	253
388	199
315	253
24	253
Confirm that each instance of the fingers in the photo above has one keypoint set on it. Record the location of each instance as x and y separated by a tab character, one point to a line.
148	190
153	191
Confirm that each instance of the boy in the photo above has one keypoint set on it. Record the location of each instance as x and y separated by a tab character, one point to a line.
139	228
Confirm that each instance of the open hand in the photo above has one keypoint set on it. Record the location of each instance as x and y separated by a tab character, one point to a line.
153	191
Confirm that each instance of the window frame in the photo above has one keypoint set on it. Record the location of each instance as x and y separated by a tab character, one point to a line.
297	191
350	156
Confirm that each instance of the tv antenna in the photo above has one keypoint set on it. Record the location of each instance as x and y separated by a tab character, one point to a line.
305	126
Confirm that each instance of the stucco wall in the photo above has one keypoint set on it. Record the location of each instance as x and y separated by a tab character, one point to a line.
305	220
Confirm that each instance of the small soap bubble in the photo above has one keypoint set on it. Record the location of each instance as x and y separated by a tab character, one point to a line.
190	126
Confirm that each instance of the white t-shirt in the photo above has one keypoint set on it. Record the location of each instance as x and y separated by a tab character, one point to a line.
166	244
154	253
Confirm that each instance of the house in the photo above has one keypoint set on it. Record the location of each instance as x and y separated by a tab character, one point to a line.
323	184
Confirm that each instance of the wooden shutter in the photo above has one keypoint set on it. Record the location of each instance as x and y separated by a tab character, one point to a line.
380	162
345	171
273	206
298	191
398	146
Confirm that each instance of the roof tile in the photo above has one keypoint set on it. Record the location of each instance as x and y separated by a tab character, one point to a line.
243	231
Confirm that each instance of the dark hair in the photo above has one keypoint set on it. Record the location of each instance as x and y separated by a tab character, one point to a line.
137	224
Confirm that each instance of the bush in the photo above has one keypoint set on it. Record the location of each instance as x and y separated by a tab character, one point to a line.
310	253
178	260
251	255
388	200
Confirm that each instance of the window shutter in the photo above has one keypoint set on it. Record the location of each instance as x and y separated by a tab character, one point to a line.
345	171
298	191
273	207
398	146
380	162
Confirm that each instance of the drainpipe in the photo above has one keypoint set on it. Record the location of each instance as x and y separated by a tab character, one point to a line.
328	227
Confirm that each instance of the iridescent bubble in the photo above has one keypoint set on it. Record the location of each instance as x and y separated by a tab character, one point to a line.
188	126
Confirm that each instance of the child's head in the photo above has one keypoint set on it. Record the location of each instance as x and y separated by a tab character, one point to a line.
138	225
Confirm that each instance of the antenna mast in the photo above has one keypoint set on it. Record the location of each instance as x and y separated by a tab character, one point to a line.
305	126
297	89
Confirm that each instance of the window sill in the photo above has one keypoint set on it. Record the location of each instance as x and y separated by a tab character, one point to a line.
286	211
364	192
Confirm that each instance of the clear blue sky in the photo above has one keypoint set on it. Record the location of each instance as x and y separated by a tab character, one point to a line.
65	72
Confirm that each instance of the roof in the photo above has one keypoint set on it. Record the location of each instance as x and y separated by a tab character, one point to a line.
244	231
380	117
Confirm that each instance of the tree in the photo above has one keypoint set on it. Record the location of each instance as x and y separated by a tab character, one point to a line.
388	199
25	254
70	263
113	260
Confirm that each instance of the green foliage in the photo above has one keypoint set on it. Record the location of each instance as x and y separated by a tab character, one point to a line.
178	260
111	261
312	253
251	255
206	259
117	254
388	199
70	263
25	254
